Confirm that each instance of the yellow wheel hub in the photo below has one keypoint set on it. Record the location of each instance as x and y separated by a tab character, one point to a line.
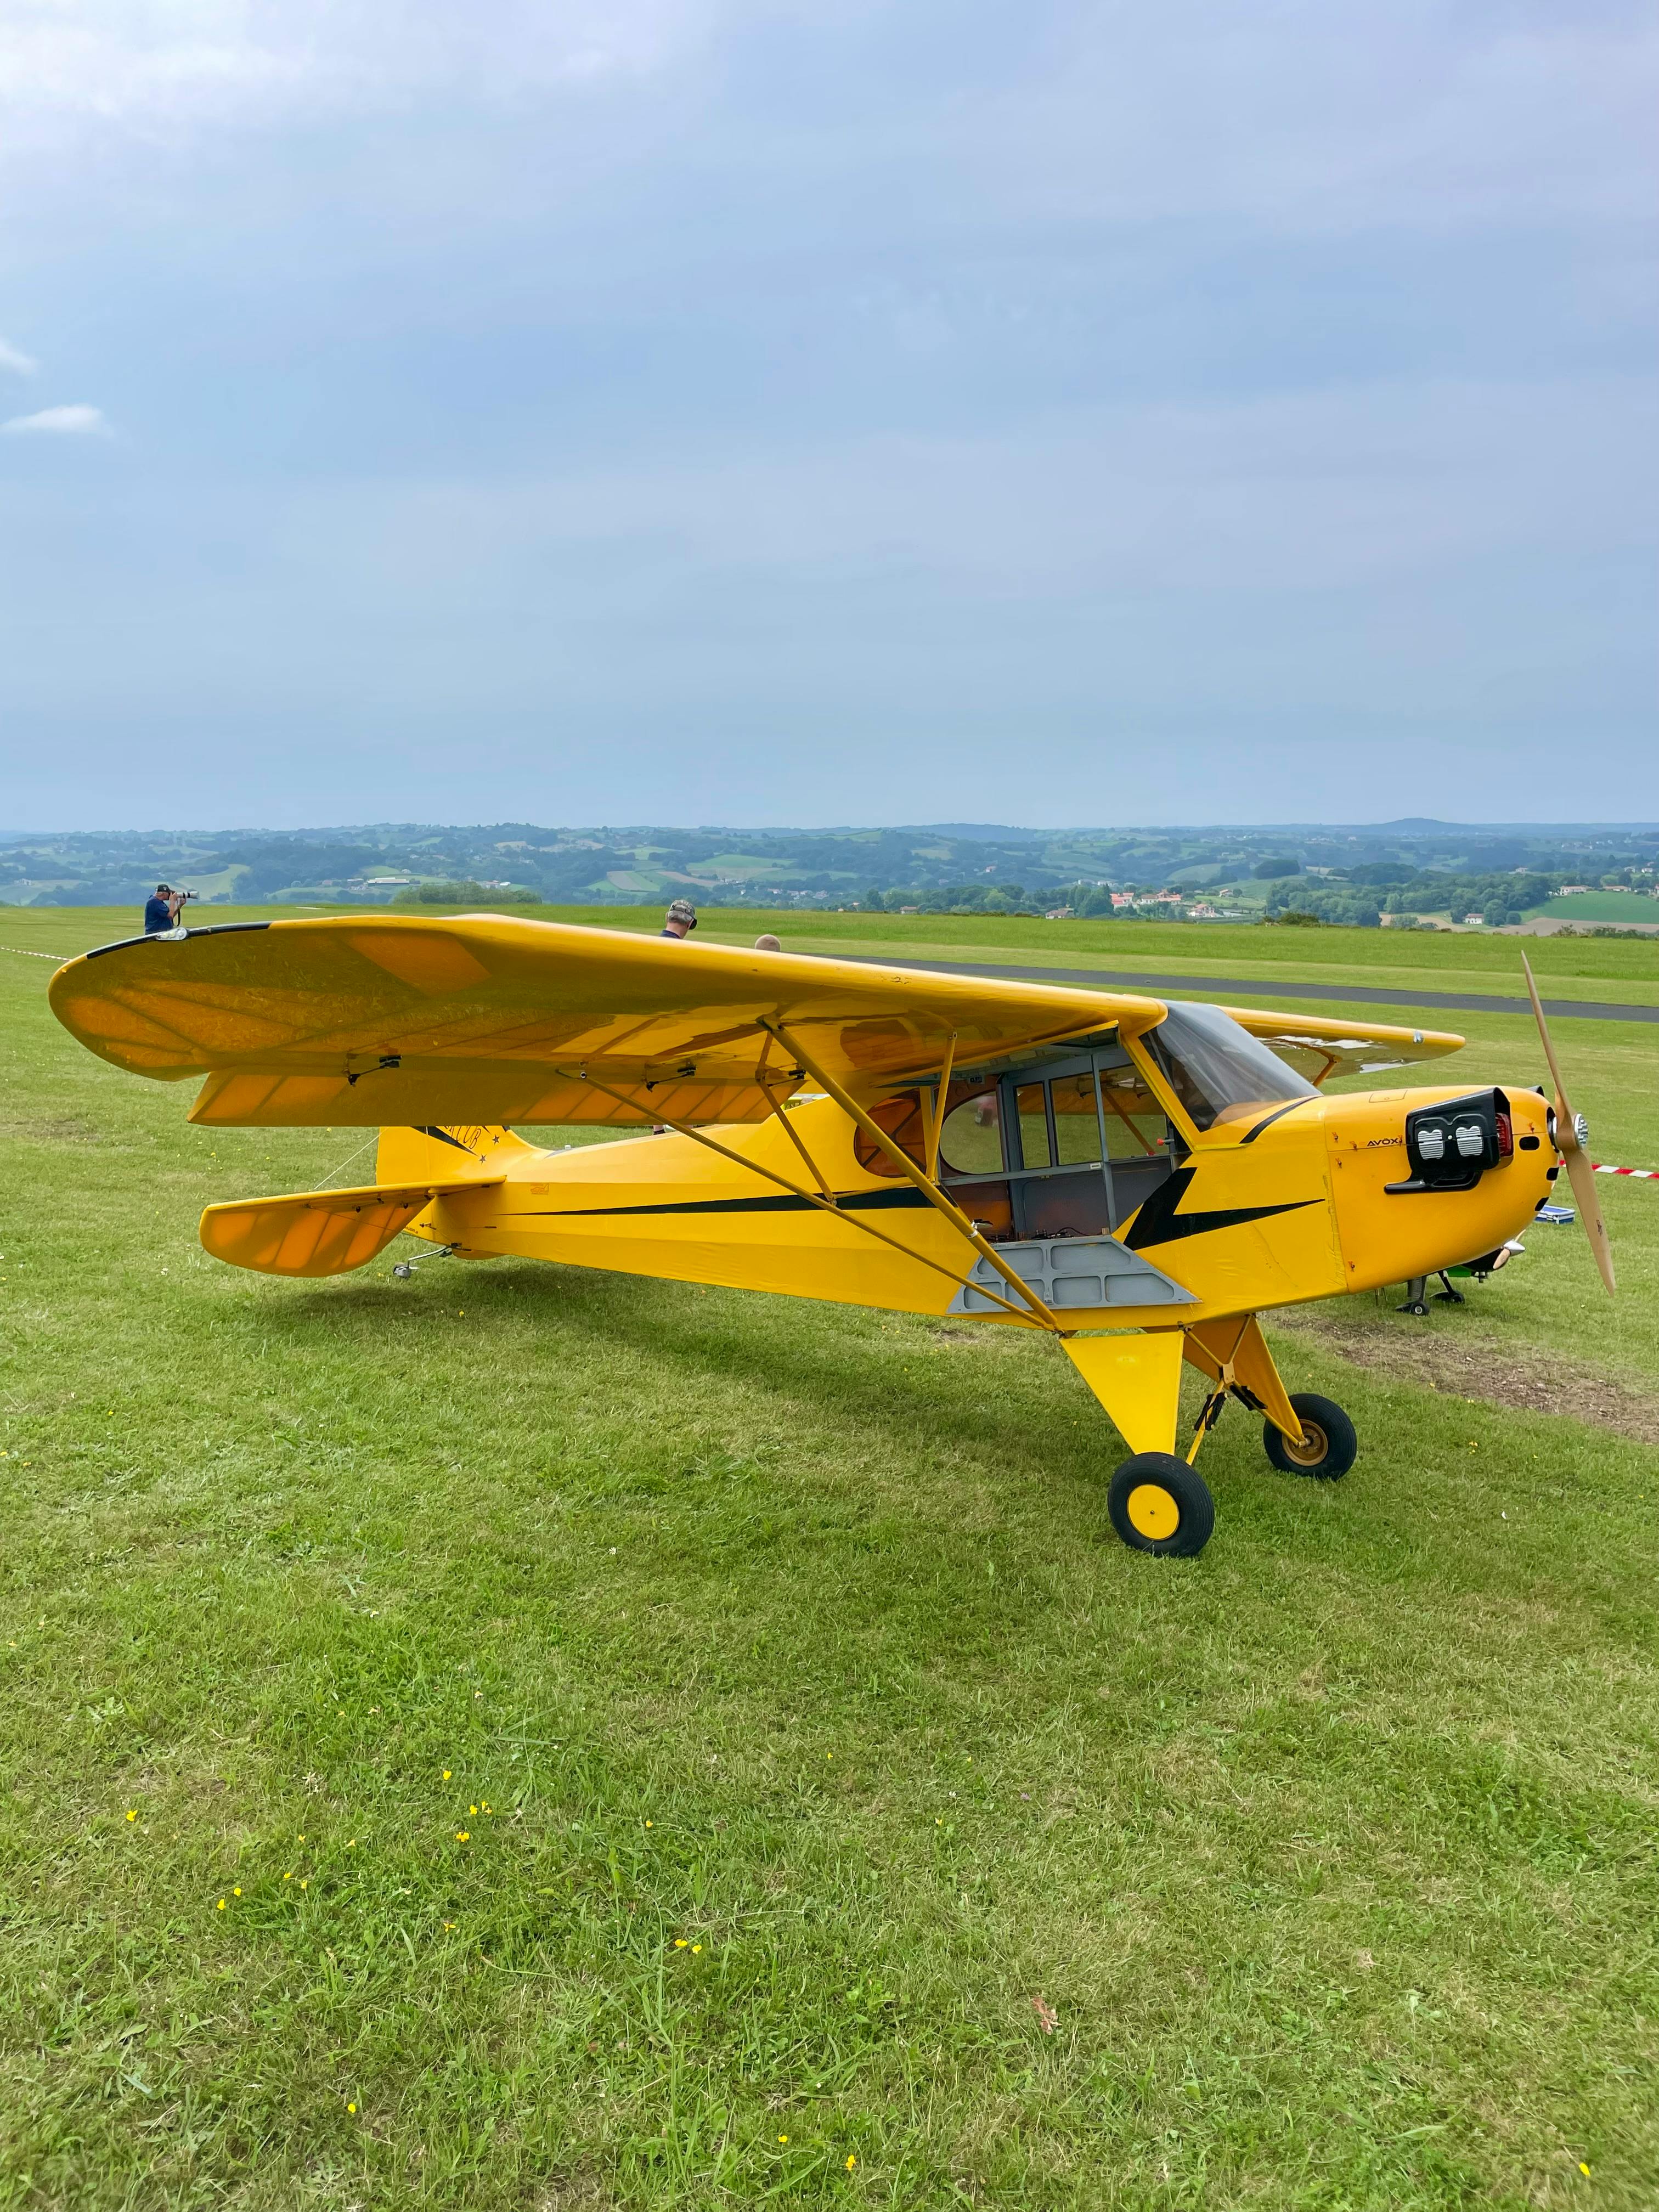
1313	1448
1153	1512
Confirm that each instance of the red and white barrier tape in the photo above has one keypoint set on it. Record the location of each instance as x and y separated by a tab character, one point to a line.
1647	1175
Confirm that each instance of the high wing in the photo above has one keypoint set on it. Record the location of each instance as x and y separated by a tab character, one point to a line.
1318	1047
385	1020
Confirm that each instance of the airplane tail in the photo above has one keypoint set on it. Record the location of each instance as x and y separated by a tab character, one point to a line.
460	1154
329	1233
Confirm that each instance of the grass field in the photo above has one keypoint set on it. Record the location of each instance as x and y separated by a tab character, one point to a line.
527	1738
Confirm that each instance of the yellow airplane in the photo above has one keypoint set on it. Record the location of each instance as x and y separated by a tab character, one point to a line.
1138	1177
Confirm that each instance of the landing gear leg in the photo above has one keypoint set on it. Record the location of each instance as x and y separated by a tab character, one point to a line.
1415	1302
1156	1503
1448	1296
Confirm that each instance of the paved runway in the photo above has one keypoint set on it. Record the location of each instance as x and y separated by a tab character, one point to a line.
1238	989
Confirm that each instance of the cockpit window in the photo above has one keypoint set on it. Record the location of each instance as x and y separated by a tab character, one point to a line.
1220	1072
970	1141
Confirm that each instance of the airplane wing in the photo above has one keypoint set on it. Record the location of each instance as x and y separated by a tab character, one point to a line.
382	1020
1318	1047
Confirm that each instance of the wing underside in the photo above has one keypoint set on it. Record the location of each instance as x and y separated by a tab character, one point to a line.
1319	1047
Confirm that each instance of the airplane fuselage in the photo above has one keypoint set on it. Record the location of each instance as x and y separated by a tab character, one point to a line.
1294	1205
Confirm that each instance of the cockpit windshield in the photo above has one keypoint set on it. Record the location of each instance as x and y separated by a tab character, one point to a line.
1220	1073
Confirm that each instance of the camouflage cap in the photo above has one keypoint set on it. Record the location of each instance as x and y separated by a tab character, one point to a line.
683	911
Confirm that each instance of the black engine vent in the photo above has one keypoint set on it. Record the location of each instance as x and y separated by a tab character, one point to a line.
1450	1146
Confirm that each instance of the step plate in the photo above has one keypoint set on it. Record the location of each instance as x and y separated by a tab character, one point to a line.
1072	1273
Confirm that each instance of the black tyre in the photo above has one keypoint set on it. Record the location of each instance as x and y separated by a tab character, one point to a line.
1330	1440
1159	1505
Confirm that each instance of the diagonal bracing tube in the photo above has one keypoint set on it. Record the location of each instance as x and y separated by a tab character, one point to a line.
825	1205
930	1189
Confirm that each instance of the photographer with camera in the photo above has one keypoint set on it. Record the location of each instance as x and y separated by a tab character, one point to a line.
162	911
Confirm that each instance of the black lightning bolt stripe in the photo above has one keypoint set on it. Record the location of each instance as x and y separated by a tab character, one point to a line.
444	1138
863	1201
1159	1223
1278	1113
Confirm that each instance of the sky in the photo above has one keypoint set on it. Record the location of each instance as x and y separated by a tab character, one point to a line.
767	411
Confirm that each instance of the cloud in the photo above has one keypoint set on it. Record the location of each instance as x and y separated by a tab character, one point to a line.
60	422
19	362
171	62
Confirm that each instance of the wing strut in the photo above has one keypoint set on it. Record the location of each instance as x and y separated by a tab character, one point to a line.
789	1130
823	1205
933	1111
929	1189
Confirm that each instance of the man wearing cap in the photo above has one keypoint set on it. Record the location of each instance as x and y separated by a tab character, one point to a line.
161	911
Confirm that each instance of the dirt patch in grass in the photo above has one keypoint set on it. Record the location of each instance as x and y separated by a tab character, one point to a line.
68	1130
1467	1365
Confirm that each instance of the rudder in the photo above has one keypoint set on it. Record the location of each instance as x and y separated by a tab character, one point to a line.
457	1154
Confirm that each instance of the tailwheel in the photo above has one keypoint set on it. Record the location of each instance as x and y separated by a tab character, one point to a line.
1328	1444
1157	1503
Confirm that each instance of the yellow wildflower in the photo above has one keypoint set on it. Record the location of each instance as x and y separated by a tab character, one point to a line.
473	1810
851	2161
235	1893
783	2138
222	1905
445	1774
695	1948
351	2108
462	1836
679	1942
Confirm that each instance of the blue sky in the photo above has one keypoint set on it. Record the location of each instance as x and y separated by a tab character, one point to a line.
664	409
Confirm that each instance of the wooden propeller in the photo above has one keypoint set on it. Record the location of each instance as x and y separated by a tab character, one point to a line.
1571	1138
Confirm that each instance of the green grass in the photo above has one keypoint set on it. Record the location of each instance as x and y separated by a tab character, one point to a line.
1203	946
1602	906
799	1635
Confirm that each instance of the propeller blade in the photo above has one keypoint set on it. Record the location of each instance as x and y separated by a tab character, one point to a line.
1582	1176
1561	1113
1569	1143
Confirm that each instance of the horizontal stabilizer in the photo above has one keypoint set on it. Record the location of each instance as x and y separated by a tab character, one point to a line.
319	1232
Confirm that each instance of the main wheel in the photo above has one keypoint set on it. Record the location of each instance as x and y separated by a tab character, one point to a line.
1159	1505
1329	1442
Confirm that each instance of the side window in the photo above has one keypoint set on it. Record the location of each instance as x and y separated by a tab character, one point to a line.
970	1142
1136	1128
1076	1126
900	1117
1033	1126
